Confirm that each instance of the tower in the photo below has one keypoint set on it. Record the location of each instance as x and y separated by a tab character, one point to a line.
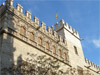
76	55
20	35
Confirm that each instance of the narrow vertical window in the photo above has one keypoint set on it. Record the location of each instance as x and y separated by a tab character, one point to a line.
76	52
22	31
47	45
54	49
60	53
40	41
31	36
65	56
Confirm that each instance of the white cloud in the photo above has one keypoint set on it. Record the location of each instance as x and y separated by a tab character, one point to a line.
96	43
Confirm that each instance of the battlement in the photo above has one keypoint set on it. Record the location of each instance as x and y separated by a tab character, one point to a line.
63	24
58	26
50	30
27	17
92	65
19	8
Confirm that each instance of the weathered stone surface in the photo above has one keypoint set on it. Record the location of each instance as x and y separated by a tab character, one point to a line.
15	45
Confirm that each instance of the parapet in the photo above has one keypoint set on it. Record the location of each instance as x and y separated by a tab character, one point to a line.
1	8
1	5
43	25
9	2
50	31
91	65
36	20
28	14
63	24
19	8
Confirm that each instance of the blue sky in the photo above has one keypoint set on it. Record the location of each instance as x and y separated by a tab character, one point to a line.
83	15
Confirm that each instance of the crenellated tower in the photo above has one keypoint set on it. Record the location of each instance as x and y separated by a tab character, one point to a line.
76	55
19	35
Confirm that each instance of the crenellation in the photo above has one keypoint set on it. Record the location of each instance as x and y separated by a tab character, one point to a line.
91	64
31	34
2	8
36	20
2	4
62	22
49	30
52	28
66	24
55	34
19	8
9	2
28	14
43	25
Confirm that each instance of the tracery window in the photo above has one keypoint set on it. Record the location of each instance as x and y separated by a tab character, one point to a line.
22	31
47	45
40	40
31	36
54	49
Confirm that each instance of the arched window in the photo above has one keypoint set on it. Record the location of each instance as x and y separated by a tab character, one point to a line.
75	49
65	56
22	30
60	53
47	45
31	36
54	49
40	40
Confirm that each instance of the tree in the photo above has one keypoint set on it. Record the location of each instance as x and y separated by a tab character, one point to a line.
39	65
35	65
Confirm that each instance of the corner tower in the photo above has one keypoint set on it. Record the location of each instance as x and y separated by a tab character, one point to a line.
76	55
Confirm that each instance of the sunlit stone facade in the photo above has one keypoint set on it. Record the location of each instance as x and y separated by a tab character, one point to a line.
20	35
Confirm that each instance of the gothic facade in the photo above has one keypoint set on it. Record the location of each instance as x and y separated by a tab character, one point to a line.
20	35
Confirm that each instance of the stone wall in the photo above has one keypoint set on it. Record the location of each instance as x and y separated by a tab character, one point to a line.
16	45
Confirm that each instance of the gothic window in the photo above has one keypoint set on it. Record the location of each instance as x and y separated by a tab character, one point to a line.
65	56
60	53
47	45
31	36
54	49
40	40
22	30
75	49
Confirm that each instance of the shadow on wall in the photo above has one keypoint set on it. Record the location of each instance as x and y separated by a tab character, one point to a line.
7	41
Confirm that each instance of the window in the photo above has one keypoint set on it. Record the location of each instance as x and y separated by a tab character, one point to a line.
65	56
60	53
54	49
47	45
80	71
22	31
40	41
31	36
76	52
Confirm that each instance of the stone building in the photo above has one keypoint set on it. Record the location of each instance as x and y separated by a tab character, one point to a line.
20	35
